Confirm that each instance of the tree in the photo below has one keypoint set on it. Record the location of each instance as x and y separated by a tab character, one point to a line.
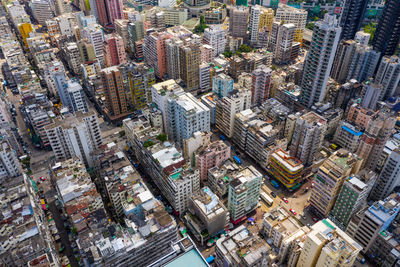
202	26
245	48
122	133
370	28
227	54
162	137
310	26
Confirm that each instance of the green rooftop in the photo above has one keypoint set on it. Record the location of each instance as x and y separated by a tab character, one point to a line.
328	224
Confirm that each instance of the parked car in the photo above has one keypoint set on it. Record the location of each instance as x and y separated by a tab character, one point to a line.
285	200
293	212
273	194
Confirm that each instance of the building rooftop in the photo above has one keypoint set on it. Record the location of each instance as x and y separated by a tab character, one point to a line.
208	203
243	246
291	163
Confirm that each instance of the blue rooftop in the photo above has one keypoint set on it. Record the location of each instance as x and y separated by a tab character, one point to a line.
351	131
191	258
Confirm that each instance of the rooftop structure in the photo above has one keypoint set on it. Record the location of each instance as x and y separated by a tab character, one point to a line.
242	247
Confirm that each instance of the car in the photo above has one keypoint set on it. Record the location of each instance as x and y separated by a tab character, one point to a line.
312	185
315	219
293	212
42	178
285	200
273	194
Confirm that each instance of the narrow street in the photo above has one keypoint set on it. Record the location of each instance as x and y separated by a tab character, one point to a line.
63	233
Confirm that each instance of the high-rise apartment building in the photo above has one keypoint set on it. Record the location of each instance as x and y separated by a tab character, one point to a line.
341	64
351	18
140	79
389	178
261	81
293	15
307	137
238	22
363	63
387	35
352	197
210	156
367	224
222	84
114	50
329	179
9	165
228	106
73	57
86	50
186	116
254	21
319	60
160	92
189	61
371	96
75	97
388	75
135	33
41	10
154	51
75	136
244	192
327	245
121	28
95	35
281	42
108	10
215	37
377	131
172	46
114	92
266	18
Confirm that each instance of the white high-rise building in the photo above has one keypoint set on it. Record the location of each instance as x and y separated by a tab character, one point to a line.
78	135
389	178
41	10
205	80
215	37
281	42
76	97
244	193
253	23
95	35
9	165
228	106
388	75
186	116
159	95
319	60
49	70
166	3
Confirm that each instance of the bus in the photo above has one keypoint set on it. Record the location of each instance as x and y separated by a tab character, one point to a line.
237	160
266	198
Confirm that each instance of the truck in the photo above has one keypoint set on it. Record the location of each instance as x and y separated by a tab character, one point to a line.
265	197
237	160
275	184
